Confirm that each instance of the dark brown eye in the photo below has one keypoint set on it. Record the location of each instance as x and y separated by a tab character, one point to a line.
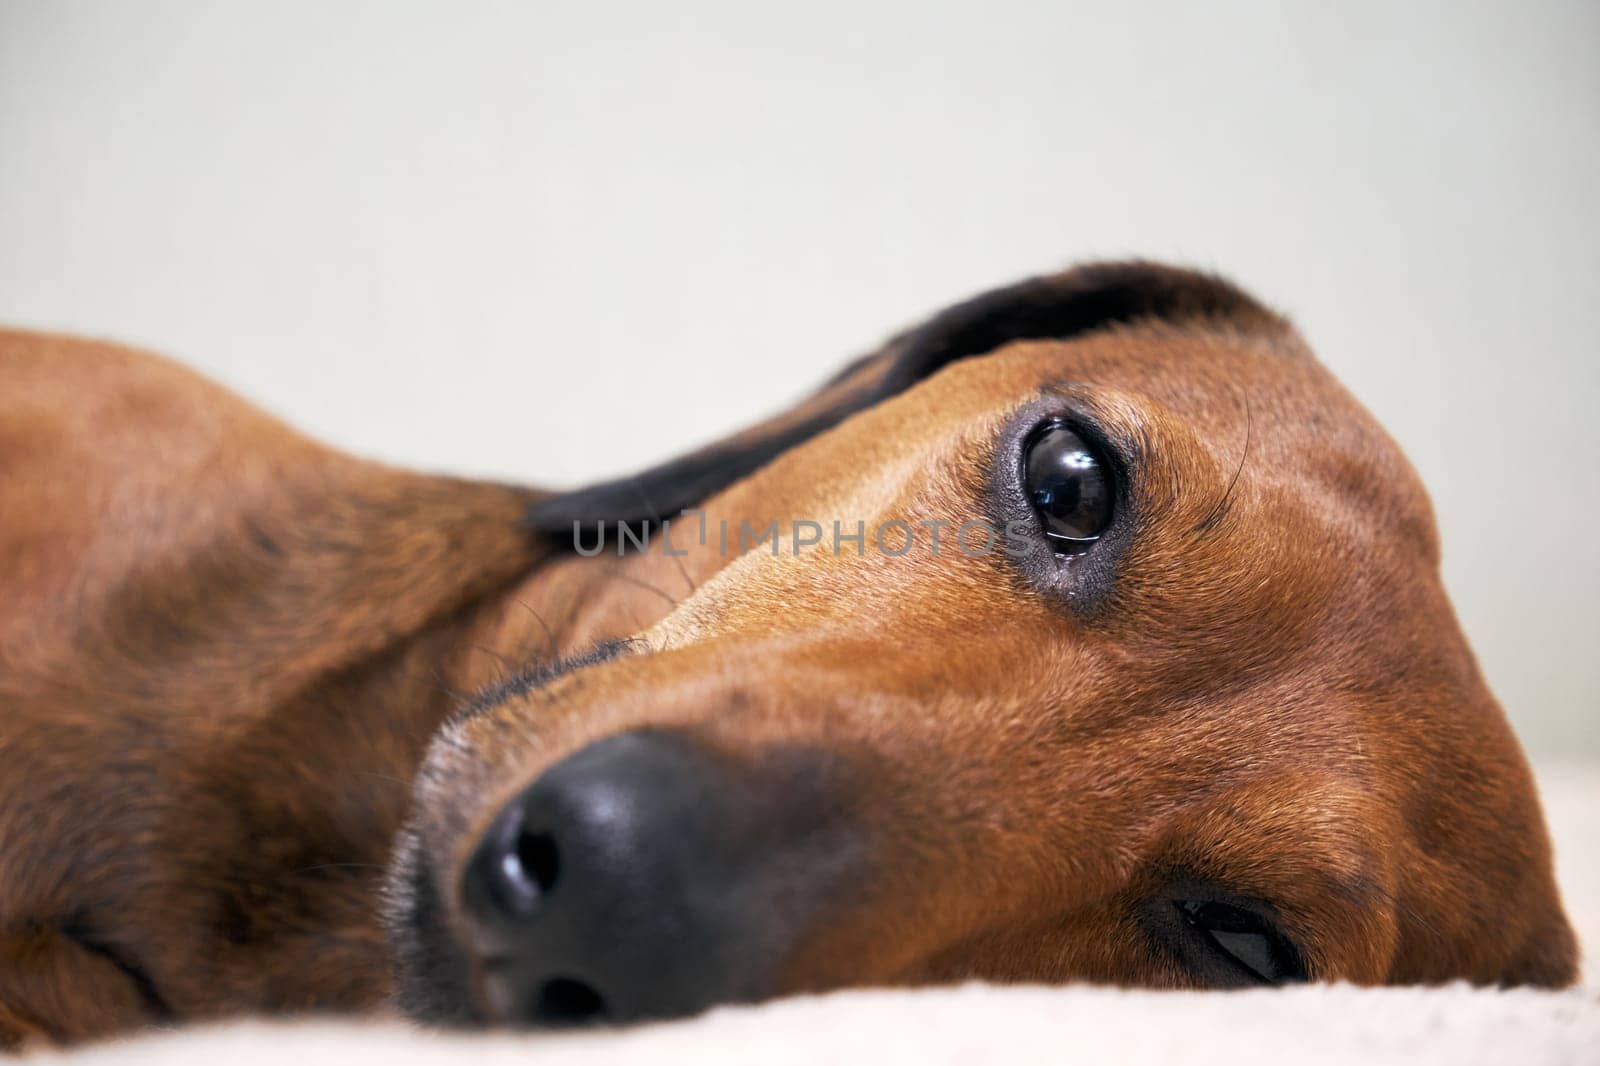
1247	939
1069	486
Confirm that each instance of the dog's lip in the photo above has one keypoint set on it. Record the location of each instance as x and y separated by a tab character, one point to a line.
539	677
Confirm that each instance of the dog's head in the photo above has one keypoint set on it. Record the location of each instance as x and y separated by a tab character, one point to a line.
1100	636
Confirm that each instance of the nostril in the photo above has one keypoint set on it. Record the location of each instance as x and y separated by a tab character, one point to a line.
539	859
630	881
527	872
563	1001
513	870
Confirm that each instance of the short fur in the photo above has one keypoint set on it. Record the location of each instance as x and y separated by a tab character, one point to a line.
229	659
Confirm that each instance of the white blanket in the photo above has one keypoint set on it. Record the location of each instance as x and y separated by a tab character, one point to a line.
979	1024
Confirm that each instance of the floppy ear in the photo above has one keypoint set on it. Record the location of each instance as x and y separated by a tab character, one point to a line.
1069	304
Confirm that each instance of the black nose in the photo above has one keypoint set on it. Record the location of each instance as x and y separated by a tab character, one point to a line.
634	879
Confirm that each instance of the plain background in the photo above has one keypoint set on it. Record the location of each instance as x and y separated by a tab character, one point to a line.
557	241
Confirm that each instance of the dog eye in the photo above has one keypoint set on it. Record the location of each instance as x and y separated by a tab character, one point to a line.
1246	938
1069	487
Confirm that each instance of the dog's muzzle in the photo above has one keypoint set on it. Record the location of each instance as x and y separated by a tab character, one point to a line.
647	876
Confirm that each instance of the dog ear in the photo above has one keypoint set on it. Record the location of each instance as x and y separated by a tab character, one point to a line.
1069	304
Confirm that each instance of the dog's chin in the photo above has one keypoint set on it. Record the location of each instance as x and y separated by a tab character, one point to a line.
432	976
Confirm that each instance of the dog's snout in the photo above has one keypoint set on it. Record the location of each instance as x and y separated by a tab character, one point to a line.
625	883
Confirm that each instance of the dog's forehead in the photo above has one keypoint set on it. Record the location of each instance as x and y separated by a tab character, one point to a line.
1213	414
1211	378
1258	398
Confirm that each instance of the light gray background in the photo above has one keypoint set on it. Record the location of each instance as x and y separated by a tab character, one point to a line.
555	241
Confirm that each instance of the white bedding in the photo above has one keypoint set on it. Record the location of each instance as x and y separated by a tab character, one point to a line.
976	1024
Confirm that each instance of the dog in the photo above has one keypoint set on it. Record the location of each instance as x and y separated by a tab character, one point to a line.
1178	700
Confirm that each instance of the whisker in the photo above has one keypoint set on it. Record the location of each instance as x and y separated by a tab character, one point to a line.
1211	519
340	866
402	782
505	664
641	583
552	652
549	634
438	684
683	571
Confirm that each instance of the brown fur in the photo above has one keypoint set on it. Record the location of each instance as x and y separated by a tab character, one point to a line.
224	650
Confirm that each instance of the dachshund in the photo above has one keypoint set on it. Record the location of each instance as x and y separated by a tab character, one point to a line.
1089	631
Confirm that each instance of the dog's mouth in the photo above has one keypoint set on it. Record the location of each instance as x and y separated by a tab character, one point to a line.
440	977
433	976
646	874
442	980
532	680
